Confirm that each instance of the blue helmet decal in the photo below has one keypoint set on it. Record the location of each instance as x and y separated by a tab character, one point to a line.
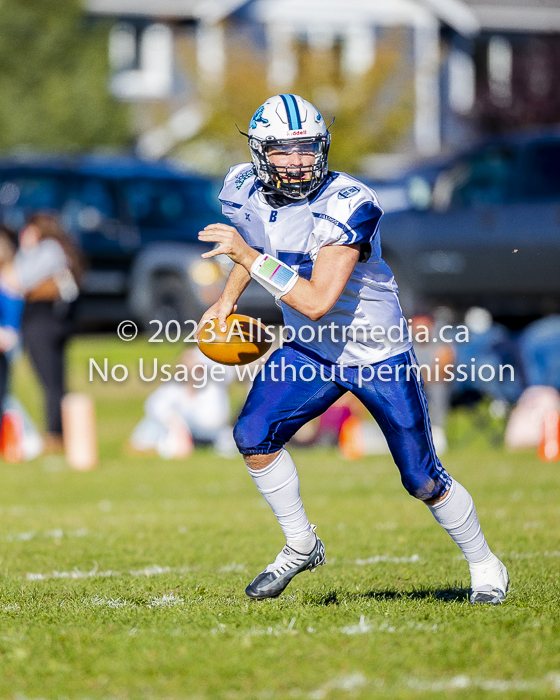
292	112
258	117
318	118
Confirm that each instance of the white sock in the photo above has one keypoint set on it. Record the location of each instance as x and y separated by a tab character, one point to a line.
279	484
457	514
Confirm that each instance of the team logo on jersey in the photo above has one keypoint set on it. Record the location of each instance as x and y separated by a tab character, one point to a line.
240	179
348	192
273	216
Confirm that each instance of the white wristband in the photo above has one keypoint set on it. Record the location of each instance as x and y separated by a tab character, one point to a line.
274	275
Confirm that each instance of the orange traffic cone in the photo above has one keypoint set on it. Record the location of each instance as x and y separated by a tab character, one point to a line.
11	437
361	438
351	438
549	447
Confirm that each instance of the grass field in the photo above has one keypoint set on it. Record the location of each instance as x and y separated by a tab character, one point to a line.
127	582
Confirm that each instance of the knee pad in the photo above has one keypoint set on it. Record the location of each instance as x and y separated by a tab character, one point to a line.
250	435
423	486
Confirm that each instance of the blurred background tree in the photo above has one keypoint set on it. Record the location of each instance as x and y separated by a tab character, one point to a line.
374	111
54	80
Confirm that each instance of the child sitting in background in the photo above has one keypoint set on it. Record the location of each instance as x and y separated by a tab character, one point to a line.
180	414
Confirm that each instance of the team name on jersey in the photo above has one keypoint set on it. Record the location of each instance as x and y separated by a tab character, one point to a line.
240	179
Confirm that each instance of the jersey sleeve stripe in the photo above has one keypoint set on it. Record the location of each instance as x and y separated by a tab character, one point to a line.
231	204
319	215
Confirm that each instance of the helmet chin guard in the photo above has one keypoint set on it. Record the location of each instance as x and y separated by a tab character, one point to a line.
285	121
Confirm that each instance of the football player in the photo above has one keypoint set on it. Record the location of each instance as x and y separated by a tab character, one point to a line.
311	238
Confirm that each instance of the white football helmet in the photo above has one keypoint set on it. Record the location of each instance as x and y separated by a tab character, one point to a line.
280	124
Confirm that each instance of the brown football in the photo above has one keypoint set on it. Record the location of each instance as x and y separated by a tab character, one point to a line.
244	341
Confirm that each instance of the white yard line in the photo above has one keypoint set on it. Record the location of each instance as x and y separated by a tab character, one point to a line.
364	626
152	570
382	558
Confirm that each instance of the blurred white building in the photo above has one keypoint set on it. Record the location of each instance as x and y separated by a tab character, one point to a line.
447	39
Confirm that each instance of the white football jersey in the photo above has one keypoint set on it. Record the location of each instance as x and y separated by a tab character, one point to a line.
366	324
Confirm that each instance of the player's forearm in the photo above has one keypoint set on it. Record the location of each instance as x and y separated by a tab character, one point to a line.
237	283
332	269
310	299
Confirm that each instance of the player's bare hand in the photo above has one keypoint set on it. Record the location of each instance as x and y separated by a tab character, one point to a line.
220	310
8	339
230	243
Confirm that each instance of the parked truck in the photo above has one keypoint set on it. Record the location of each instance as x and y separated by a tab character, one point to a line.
482	229
137	225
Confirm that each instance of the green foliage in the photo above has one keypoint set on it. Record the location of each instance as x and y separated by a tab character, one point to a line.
373	112
144	562
54	79
219	145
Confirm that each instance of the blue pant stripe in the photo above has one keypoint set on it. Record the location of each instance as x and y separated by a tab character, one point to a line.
422	399
426	415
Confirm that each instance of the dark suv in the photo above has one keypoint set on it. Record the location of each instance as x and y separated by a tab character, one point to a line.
488	233
137	224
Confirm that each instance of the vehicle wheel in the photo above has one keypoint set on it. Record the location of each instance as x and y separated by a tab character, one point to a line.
170	300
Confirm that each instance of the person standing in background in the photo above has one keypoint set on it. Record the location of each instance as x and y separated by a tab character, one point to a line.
11	308
49	268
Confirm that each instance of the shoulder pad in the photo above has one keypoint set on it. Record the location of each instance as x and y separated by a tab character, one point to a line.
348	188
239	178
351	206
343	195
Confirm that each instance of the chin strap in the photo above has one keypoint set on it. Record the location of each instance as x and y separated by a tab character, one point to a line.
274	275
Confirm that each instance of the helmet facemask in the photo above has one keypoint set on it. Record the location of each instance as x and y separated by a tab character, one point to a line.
294	181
